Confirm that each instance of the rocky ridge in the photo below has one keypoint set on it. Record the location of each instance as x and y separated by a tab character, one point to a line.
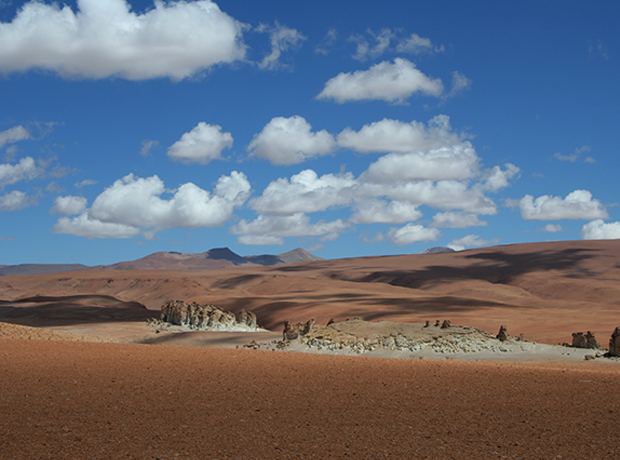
362	336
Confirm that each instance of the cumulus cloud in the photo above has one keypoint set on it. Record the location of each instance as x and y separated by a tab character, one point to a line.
457	220
69	205
14	134
282	39
132	205
470	241
86	227
272	229
105	38
305	192
287	141
372	211
458	162
599	230
400	137
14	201
201	145
577	205
412	233
392	82
26	169
497	178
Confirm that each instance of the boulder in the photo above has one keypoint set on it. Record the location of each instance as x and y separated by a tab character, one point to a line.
581	340
446	324
614	343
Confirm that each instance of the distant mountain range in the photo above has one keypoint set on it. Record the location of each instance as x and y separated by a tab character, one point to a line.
213	259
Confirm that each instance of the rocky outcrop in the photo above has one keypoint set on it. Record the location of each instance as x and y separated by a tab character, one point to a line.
581	340
502	335
206	317
614	343
292	332
362	336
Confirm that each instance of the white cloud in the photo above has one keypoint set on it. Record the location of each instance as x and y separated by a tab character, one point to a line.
365	50
132	205
496	178
282	39
328	41
284	226
577	205
551	228
14	134
86	227
470	241
575	155
147	146
457	220
411	233
400	137
599	230
260	240
458	162
14	201
105	38
201	145
415	44
305	192
379	211
460	84
391	82
69	205
85	183
287	141
26	169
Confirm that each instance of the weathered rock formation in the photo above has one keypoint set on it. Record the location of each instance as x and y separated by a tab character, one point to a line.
584	341
446	324
291	332
206	317
502	335
363	336
614	343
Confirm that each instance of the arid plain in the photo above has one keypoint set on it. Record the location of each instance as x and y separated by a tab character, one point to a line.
83	399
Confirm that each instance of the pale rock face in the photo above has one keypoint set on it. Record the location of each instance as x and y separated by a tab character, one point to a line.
206	317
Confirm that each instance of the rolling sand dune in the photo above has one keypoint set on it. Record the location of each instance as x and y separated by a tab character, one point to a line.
544	290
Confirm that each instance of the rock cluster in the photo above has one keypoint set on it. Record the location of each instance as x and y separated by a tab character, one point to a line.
581	340
614	343
206	317
360	336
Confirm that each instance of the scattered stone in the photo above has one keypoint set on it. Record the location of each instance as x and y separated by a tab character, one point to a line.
427	324
589	357
446	324
289	332
503	333
331	321
437	323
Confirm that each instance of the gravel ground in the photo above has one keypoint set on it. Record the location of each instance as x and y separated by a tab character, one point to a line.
102	401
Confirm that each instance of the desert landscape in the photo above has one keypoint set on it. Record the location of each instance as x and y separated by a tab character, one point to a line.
89	370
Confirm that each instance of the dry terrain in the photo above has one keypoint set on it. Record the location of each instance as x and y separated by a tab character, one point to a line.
62	395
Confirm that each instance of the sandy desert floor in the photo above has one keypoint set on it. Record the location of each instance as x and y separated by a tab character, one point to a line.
66	393
101	401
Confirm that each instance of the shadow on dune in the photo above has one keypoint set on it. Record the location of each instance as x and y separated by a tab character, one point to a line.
495	267
68	310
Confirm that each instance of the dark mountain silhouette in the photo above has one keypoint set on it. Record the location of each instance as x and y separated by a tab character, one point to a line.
212	259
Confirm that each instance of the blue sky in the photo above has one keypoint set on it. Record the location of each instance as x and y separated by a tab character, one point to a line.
348	128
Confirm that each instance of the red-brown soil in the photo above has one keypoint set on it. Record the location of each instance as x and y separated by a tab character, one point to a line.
103	401
545	290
